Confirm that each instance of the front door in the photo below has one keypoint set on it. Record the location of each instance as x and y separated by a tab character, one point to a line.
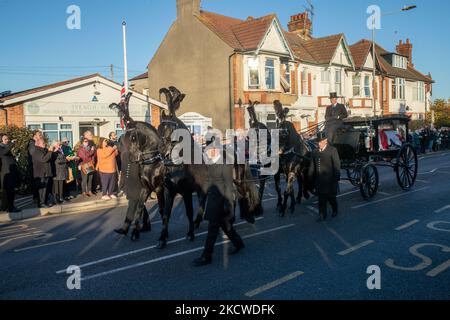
86	127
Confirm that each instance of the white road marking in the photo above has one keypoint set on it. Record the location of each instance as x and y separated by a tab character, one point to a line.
21	234
15	227
423	181
439	269
384	193
355	248
337	235
140	264
407	225
274	284
40	233
445	208
45	245
432	226
389	198
428	172
141	250
15	231
271	199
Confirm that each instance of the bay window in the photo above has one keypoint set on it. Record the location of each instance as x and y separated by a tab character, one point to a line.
338	82
398	89
367	85
253	73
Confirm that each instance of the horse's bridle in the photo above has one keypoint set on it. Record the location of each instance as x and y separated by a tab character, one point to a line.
147	158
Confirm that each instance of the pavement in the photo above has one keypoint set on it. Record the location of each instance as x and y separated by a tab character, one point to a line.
403	236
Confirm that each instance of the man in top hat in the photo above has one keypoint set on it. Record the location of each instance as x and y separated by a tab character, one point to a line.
325	173
334	116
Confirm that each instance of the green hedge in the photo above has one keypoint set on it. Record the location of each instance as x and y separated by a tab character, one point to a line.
20	150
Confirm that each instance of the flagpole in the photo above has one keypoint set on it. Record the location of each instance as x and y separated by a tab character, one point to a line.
125	64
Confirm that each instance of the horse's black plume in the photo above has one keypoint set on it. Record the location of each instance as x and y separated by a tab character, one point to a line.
169	100
278	109
177	97
123	108
252	113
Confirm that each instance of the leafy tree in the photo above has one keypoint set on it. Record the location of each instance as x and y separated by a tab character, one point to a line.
441	110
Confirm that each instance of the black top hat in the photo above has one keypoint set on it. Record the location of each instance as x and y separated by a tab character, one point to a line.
333	95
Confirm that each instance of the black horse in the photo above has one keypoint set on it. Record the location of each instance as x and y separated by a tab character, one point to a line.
189	178
293	161
143	145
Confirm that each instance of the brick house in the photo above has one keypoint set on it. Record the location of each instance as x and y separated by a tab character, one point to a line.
222	62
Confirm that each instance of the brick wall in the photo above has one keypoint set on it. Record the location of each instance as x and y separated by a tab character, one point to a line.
15	116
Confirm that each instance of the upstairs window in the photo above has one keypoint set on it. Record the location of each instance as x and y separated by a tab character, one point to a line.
325	76
356	85
253	73
338	82
419	92
305	82
270	74
399	61
287	73
367	90
398	89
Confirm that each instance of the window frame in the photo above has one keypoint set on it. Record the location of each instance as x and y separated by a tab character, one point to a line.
273	73
338	85
356	85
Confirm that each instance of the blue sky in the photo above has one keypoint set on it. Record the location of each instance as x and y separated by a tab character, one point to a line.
37	48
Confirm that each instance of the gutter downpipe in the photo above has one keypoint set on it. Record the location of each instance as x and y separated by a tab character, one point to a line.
230	88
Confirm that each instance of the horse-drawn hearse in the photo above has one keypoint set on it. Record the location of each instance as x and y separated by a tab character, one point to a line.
364	144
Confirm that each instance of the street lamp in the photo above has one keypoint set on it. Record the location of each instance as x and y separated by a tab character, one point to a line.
374	106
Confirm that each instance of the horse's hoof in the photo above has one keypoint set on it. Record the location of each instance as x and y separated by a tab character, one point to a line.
299	200
161	244
292	210
147	227
190	237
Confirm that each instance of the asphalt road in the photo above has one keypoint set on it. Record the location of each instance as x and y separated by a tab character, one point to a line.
405	234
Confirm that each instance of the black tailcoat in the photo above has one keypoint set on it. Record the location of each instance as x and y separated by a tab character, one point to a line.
325	170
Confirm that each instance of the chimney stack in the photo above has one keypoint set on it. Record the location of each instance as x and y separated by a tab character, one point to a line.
405	49
187	8
302	25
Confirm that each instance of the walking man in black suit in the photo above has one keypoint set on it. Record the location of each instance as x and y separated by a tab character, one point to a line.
325	172
220	207
334	117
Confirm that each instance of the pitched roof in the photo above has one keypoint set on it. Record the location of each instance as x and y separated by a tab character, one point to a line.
46	87
22	96
316	50
360	51
238	34
140	77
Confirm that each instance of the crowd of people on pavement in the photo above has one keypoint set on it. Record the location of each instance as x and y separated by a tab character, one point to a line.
428	139
60	170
